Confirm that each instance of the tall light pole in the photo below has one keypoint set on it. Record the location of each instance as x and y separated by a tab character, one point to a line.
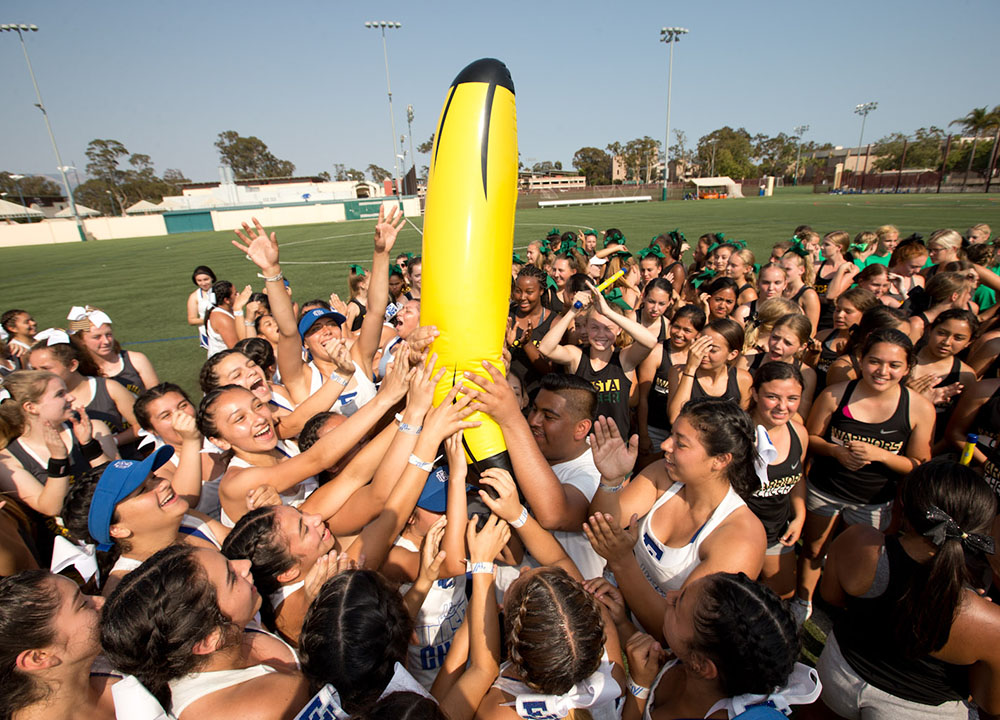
863	109
669	35
409	127
800	130
19	29
383	24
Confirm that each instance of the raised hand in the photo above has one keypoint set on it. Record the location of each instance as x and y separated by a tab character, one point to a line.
612	456
493	395
340	354
421	338
338	305
326	567
609	596
644	658
506	505
83	430
455	454
185	425
259	247
431	554
420	396
610	541
397	379
450	416
599	300
696	353
54	442
387	228
262	496
486	544
242	297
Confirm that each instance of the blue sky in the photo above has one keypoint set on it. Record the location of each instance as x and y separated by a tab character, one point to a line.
307	77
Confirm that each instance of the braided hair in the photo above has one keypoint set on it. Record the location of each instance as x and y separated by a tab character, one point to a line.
747	632
554	629
156	616
354	633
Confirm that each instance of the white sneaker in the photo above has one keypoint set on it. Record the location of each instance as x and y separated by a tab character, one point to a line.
801	610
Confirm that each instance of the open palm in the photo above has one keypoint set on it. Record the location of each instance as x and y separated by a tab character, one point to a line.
258	246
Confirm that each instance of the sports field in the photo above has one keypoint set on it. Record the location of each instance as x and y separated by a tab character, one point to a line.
143	283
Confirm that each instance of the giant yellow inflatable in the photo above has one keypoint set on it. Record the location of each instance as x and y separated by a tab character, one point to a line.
469	236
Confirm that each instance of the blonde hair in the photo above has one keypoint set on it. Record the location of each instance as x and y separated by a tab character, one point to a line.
806	261
948	239
866	238
840	238
750	260
24	386
540	256
982	227
769	313
883	231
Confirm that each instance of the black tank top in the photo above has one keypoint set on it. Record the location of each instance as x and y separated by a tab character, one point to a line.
356	325
743	288
732	388
40	472
756	360
659	394
612	385
874	483
865	635
826	357
822	287
771	504
943	412
519	361
102	407
129	376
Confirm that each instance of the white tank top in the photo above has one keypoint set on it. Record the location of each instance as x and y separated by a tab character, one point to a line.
436	623
351	399
205	301
294	496
190	688
215	341
666	567
283	592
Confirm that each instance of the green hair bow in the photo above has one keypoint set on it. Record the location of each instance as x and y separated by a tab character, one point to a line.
677	236
614	297
566	247
703	277
356	269
654	251
615	238
517	259
589	231
798	248
550	283
394	269
858	246
553	231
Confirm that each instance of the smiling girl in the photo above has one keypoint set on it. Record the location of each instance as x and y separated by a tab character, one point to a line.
90	329
710	369
864	435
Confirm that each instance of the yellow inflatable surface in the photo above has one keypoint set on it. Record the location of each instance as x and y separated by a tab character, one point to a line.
469	236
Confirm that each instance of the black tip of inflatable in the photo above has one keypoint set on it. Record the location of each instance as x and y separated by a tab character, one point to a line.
476	468
486	70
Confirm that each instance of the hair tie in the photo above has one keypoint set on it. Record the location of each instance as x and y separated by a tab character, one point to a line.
52	336
4	394
947	529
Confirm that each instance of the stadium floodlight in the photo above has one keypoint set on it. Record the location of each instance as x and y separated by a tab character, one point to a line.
382	25
669	35
20	29
863	109
800	130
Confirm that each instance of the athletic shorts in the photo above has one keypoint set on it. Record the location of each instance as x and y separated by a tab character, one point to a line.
821	503
848	695
778	549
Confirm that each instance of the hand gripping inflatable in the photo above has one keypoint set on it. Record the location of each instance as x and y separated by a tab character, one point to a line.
469	237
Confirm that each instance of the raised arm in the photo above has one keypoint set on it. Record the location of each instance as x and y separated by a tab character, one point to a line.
553	506
644	339
262	250
568	355
386	230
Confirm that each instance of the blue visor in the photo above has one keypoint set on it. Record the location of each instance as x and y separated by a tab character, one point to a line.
309	319
118	481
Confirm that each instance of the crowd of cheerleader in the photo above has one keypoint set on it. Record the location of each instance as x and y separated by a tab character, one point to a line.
701	449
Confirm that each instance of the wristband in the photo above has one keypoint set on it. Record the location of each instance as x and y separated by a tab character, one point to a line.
339	380
638	691
690	375
273	278
58	467
92	450
613	488
237	313
248	323
405	428
425	466
482	567
521	519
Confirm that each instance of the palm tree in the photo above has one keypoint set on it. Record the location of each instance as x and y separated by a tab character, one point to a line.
975	122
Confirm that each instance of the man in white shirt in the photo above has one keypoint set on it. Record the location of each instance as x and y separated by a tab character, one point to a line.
551	456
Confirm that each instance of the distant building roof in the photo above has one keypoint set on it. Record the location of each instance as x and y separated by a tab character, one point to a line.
259	181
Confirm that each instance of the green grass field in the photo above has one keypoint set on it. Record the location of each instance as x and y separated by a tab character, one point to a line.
143	283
